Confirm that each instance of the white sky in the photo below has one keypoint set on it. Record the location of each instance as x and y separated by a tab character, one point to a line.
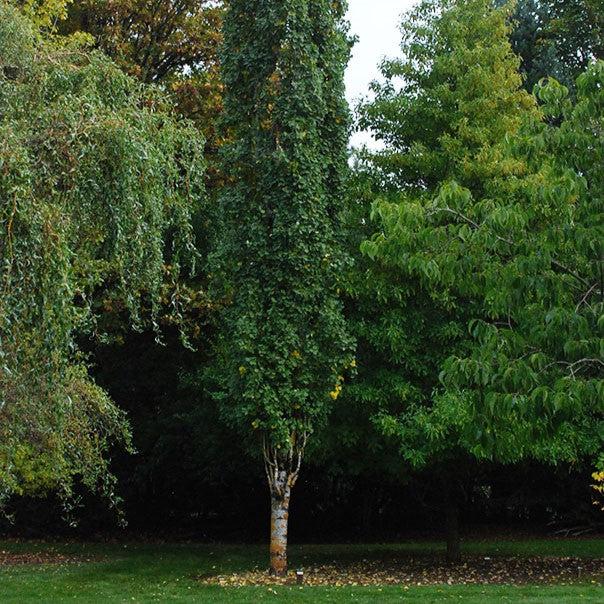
376	24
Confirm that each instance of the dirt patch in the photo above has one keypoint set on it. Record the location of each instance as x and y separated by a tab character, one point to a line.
42	558
474	570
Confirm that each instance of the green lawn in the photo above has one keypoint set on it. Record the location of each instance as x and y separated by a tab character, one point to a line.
166	573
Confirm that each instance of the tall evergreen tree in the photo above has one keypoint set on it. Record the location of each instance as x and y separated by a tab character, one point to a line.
284	345
557	38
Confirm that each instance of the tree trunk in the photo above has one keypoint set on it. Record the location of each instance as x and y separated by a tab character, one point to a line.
279	522
452	527
282	470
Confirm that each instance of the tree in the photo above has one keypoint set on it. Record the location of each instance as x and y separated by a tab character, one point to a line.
459	96
537	253
172	43
525	252
557	38
44	14
284	343
96	187
152	41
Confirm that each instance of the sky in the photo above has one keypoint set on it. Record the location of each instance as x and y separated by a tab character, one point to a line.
375	23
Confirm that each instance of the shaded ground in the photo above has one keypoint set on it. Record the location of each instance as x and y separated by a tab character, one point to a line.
431	570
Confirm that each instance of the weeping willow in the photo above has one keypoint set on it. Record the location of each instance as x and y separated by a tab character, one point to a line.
97	182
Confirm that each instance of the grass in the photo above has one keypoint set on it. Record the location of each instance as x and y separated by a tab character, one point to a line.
166	573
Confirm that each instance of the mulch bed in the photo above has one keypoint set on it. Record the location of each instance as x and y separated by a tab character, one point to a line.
473	570
40	558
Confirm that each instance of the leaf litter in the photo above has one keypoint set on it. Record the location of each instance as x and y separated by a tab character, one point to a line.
424	570
8	558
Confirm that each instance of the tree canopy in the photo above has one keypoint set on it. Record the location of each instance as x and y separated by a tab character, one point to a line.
460	97
557	38
173	44
522	252
420	320
97	184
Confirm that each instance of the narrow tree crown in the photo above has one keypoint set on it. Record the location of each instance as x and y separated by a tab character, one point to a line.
278	254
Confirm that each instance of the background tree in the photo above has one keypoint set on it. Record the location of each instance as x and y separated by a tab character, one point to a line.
152	41
95	199
44	14
557	38
284	344
173	43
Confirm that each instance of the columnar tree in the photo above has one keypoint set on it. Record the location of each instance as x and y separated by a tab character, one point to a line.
284	344
96	186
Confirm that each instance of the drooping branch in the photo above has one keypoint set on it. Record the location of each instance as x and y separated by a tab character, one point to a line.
475	225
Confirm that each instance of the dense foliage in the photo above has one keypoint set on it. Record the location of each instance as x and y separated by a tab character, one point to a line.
284	343
520	251
557	38
151	42
96	189
464	257
43	14
171	43
460	98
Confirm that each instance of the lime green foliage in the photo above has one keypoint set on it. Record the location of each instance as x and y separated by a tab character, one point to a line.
522	250
451	98
534	254
94	176
285	343
44	14
598	487
442	113
166	573
528	252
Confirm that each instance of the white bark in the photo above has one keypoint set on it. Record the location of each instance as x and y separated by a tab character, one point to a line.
279	526
282	472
